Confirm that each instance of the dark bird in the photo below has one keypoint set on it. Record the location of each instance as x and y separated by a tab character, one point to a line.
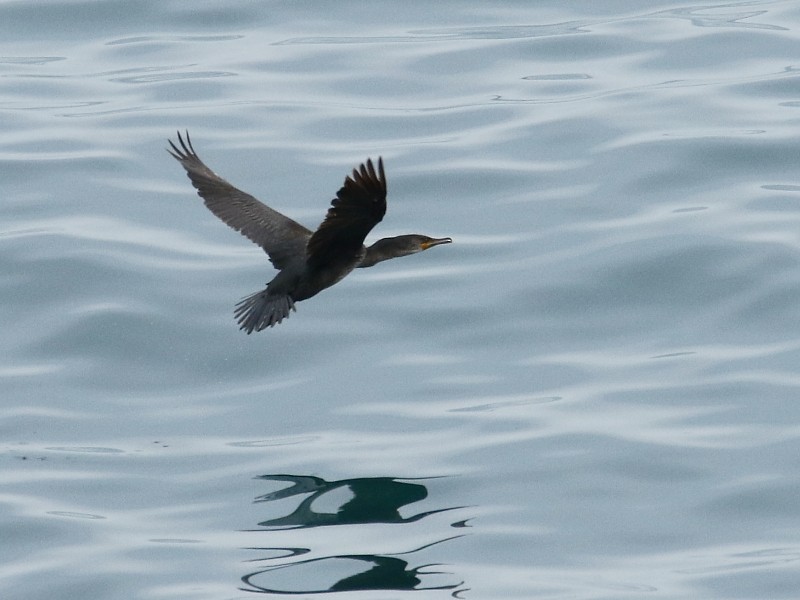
308	262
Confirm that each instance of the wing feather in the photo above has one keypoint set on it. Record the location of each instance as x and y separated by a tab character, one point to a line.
359	205
283	239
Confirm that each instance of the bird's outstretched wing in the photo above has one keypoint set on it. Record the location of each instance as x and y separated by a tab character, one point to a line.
282	238
359	205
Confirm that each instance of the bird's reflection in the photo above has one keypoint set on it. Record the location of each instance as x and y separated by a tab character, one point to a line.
367	502
383	573
373	500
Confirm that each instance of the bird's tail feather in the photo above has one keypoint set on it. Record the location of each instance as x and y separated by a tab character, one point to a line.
261	310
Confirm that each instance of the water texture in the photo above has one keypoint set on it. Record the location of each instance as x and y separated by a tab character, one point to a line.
591	394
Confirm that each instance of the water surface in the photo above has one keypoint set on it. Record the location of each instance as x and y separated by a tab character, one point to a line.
590	394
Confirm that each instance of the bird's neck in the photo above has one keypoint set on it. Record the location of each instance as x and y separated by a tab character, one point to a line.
376	253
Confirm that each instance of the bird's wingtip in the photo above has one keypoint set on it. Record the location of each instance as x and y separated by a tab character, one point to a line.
186	150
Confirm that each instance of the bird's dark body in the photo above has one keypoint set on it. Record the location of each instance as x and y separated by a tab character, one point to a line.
307	262
302	281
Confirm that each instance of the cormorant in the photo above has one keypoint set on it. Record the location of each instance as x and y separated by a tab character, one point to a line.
307	262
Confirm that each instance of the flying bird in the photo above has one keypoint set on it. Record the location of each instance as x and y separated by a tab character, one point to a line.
307	262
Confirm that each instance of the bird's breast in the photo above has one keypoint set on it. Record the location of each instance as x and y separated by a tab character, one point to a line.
316	279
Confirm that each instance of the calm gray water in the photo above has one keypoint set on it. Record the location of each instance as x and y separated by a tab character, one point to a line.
591	394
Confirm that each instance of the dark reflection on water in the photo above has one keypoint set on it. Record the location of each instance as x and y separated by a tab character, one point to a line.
368	502
374	500
383	573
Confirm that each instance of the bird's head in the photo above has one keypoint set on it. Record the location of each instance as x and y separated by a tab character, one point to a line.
413	243
401	245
